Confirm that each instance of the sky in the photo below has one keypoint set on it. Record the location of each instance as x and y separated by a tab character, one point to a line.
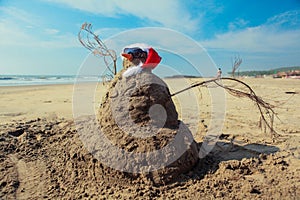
40	36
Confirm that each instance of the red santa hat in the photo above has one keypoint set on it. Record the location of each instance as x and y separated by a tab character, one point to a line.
153	59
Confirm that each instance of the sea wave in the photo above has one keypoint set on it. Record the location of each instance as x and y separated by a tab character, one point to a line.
19	80
5	78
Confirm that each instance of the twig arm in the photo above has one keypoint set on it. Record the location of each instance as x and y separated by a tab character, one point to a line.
260	103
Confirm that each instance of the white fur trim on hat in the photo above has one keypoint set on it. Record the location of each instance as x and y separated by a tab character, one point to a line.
133	70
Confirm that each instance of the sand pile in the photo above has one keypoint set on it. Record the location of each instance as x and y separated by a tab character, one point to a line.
138	116
45	158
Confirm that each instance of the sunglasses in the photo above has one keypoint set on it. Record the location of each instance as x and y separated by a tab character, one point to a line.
136	52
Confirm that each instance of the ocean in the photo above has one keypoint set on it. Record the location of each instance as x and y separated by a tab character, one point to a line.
19	80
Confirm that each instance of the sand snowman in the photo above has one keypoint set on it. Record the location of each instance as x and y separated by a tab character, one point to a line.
138	116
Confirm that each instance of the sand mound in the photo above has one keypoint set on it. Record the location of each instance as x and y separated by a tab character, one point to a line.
46	159
138	115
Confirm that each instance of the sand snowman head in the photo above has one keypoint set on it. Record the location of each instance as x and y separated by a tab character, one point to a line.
138	57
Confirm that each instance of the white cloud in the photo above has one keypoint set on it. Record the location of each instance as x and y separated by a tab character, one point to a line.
288	19
105	33
19	28
238	23
169	13
14	36
20	16
268	37
51	31
10	34
273	44
66	40
256	39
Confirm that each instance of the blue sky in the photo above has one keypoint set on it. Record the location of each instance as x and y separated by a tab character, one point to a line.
40	36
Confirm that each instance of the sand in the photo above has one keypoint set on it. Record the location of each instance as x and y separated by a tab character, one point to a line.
42	155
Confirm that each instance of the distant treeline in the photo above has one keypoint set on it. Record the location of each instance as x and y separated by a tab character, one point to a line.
266	72
183	76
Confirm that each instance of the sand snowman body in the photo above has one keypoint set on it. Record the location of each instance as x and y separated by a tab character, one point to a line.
138	116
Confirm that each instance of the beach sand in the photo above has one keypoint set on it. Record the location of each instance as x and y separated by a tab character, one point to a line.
42	155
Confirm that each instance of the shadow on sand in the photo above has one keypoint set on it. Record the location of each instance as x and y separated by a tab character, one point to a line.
227	151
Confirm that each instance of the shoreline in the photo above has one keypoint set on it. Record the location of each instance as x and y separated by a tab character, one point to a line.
32	86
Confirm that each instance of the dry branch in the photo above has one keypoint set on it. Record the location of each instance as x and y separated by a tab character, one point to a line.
92	42
266	109
236	64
